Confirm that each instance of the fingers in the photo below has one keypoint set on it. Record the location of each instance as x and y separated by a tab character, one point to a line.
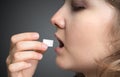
21	59
24	42
19	66
23	49
24	37
30	45
29	55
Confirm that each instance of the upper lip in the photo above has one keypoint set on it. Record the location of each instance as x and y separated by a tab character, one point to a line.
56	36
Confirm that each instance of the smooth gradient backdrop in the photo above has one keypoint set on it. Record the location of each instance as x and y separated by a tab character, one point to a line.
18	16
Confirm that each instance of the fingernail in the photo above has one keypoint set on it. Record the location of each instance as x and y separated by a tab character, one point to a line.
29	65
40	56
35	35
44	46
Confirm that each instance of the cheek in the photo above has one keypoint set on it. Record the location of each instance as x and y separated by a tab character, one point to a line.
86	38
84	32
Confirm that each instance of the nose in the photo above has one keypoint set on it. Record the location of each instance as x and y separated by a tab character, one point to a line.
58	19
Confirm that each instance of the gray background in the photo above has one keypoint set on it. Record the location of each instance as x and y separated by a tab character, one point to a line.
18	16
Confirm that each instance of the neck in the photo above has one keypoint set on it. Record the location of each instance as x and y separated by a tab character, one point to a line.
92	73
86	75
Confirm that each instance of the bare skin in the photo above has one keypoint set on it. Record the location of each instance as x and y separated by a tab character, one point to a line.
82	26
25	53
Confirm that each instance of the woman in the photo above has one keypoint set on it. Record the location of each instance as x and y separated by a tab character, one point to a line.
88	32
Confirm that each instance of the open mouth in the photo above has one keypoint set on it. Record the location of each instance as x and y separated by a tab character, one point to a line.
61	44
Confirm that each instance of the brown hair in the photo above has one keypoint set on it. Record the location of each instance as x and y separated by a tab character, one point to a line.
110	67
111	64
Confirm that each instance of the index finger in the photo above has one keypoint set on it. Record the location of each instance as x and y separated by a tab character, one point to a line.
27	36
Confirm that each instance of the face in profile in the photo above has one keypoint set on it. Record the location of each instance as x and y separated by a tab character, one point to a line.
83	28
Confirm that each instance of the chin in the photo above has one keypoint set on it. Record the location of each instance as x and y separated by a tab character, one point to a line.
69	66
65	65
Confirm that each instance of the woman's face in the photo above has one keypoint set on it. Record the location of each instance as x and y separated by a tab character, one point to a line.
83	27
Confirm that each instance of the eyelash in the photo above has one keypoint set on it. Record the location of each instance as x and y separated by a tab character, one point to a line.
77	8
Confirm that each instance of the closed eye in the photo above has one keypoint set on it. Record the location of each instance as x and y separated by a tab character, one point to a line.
78	5
77	8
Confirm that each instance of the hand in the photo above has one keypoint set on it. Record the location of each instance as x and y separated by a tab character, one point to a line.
24	54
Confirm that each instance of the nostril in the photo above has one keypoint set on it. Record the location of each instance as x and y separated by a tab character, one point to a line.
60	24
58	21
56	25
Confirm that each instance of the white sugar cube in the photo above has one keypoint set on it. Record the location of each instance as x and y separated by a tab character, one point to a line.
48	42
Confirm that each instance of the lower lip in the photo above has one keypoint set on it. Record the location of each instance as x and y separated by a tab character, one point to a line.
58	50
